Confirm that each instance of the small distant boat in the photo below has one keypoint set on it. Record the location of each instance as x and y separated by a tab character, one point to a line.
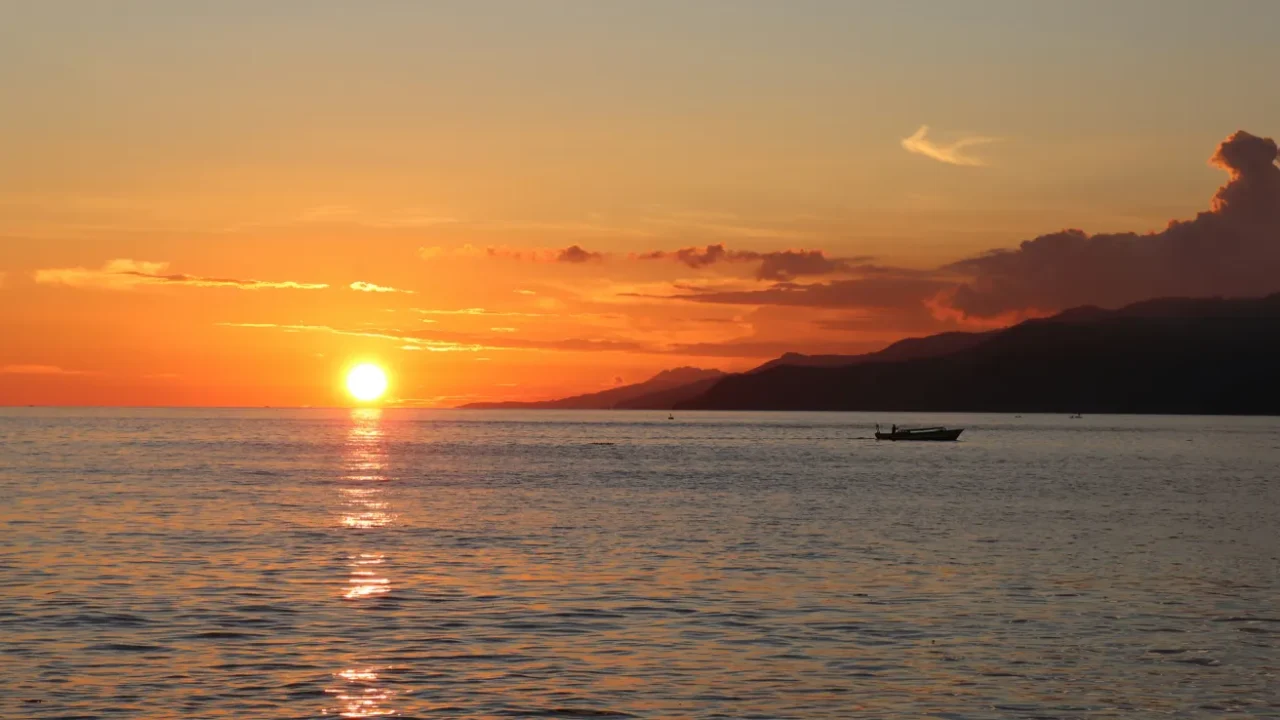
1077	416
922	433
671	417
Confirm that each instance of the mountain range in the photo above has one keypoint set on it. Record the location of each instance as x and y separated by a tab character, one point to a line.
1176	355
660	392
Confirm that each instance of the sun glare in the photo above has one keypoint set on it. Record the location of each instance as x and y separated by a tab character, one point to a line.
366	382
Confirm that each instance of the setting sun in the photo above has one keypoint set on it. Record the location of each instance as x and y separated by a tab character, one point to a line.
366	382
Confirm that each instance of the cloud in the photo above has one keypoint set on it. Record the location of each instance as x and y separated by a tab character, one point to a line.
760	349
699	257
419	343
369	287
789	264
411	217
575	254
436	341
867	292
952	154
435	251
38	370
1233	249
124	274
115	275
577	345
571	254
478	311
776	265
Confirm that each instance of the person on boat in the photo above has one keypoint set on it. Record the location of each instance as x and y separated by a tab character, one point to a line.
895	429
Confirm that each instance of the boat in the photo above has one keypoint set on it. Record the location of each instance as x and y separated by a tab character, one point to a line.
936	433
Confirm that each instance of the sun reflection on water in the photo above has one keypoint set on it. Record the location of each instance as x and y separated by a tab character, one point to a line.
360	696
357	689
365	579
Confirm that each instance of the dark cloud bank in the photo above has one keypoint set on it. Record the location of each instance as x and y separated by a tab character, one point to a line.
1233	249
778	265
576	254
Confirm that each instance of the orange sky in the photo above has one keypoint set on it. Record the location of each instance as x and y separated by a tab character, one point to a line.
186	199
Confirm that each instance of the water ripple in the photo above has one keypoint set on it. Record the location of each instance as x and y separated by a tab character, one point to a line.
229	564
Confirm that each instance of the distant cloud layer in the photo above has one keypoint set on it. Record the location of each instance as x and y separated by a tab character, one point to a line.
953	154
571	254
124	274
575	254
777	265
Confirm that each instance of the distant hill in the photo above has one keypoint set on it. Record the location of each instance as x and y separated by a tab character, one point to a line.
659	392
907	349
1175	355
670	387
667	398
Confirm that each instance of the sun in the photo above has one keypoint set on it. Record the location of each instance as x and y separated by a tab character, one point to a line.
366	382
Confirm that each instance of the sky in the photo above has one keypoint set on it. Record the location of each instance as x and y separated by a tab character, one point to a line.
232	203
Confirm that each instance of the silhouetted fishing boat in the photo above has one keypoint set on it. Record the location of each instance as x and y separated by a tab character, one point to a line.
923	433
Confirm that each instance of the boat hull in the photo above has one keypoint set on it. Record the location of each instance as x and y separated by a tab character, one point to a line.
931	435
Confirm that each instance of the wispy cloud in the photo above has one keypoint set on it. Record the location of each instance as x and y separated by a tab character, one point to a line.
865	292
401	218
477	311
571	254
418	343
361	286
458	342
38	370
952	154
776	265
125	274
115	275
728	225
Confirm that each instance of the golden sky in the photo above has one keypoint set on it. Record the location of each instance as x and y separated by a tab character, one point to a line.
229	204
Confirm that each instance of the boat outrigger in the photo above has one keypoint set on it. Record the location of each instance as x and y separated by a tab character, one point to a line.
921	433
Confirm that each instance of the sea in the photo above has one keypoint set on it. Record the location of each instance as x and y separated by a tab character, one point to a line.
211	563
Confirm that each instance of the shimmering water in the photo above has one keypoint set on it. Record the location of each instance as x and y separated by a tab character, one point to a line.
266	564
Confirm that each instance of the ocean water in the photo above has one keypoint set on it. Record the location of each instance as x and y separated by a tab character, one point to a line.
435	564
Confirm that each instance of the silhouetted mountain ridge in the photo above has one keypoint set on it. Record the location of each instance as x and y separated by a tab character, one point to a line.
1172	355
905	349
666	388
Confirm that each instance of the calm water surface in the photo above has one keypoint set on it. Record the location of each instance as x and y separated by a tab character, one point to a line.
301	564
